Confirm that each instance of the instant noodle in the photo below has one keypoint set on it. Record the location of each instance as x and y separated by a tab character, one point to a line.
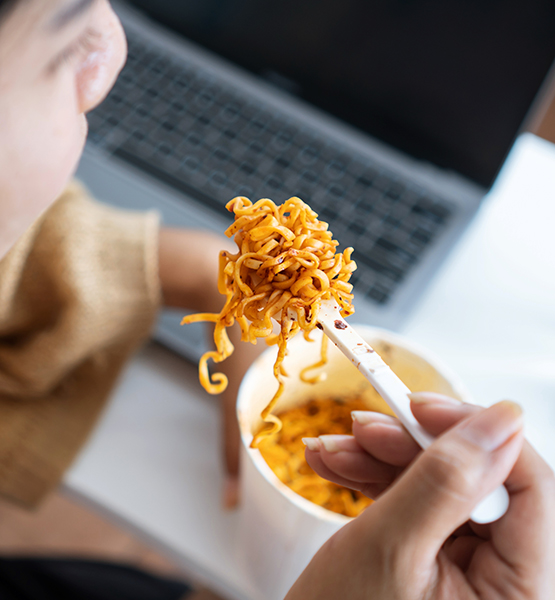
286	264
284	452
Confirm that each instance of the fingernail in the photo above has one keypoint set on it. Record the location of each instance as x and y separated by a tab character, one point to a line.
492	427
431	398
312	444
337	443
365	417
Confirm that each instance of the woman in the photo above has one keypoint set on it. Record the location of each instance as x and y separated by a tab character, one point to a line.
80	283
79	287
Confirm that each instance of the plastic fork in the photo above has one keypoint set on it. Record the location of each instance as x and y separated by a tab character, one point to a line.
395	393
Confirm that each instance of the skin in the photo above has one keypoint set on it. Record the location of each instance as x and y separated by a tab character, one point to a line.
415	542
199	293
48	82
57	64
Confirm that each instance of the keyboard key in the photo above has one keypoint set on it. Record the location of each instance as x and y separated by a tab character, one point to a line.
379	294
204	100
244	190
230	112
381	267
191	163
221	154
336	168
256	147
393	248
218	178
367	178
309	176
357	227
282	162
274	183
441	212
368	201
178	107
169	125
247	168
381	183
395	190
230	134
391	222
309	154
421	236
164	148
336	191
328	214
138	135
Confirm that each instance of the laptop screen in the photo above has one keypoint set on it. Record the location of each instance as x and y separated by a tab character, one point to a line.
447	82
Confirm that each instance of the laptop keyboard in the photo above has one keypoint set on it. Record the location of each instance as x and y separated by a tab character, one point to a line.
213	142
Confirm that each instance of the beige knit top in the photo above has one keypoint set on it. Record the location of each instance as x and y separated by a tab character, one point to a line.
78	294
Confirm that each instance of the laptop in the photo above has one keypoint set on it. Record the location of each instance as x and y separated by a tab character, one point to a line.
391	119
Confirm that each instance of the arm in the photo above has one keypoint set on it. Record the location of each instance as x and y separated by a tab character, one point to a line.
188	267
79	294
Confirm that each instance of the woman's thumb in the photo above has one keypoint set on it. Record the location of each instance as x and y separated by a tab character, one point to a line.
444	484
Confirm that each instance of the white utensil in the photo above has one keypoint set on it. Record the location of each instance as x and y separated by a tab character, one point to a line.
394	392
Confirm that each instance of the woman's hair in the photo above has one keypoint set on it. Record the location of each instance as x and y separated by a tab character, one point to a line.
6	6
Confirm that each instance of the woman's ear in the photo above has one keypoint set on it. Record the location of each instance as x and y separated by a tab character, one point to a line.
98	70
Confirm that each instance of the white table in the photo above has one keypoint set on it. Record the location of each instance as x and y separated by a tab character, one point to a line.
154	462
491	311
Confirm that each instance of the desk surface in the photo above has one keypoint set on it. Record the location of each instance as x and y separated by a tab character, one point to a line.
154	462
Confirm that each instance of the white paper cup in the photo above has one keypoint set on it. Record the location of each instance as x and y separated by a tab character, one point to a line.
279	531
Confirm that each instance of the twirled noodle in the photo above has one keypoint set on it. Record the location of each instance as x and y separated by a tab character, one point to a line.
285	265
284	451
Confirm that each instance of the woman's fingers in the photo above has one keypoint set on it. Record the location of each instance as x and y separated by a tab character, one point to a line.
530	519
437	412
384	438
387	440
380	448
344	462
437	493
460	550
342	453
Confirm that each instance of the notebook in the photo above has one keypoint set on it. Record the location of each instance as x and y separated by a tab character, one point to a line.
391	119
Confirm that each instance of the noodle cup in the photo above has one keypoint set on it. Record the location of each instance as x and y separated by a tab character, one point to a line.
280	531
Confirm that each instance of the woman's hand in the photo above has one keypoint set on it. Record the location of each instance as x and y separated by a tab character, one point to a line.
415	542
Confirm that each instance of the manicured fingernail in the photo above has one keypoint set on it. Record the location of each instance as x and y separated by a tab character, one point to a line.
365	417
431	398
492	427
312	444
337	443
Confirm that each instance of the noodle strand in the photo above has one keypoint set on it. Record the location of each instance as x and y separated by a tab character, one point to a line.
285	266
